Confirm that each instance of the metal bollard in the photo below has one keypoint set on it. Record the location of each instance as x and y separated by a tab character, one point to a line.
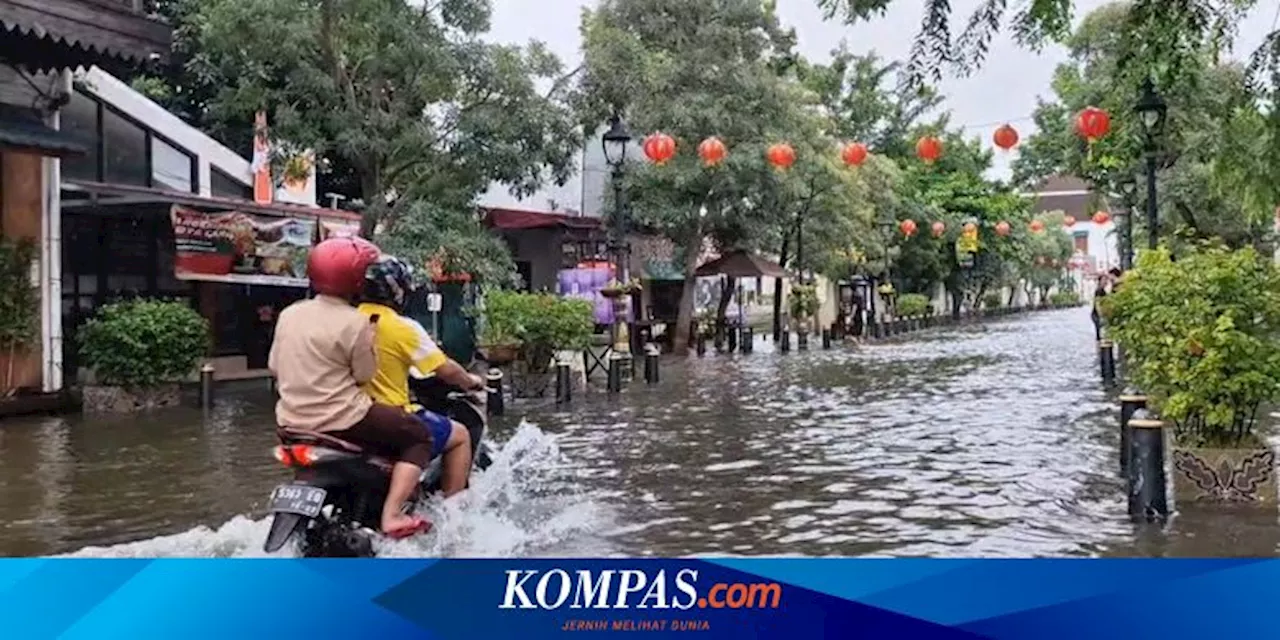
651	374
701	345
1129	404
733	340
748	340
497	404
564	383
784	345
1147	498
802	341
826	338
874	330
615	373
206	386
1107	360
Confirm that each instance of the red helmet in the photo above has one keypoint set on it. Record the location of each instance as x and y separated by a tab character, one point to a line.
336	266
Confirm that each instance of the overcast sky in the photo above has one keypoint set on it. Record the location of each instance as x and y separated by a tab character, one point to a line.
1004	90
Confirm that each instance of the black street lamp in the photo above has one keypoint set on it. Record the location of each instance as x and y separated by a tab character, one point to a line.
886	225
1151	110
615	142
1128	190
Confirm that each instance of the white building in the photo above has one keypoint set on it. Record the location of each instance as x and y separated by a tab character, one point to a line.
1096	245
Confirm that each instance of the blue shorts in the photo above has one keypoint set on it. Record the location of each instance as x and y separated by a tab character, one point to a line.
440	428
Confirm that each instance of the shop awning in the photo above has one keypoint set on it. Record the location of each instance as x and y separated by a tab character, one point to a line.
22	130
42	35
742	264
101	193
518	219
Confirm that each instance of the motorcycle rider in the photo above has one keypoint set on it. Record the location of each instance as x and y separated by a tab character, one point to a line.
322	353
402	344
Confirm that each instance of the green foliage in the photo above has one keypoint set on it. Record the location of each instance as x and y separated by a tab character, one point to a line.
913	304
1064	298
425	231
993	300
541	322
803	301
142	343
1202	334
19	301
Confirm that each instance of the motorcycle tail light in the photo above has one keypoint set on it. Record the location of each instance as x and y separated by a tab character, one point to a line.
303	455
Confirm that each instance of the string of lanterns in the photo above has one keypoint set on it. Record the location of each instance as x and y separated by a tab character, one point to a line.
1092	124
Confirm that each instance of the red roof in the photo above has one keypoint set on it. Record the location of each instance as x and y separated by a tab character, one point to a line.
517	219
210	202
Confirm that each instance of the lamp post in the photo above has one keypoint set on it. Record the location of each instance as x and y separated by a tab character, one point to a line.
1151	110
1128	189
615	142
886	225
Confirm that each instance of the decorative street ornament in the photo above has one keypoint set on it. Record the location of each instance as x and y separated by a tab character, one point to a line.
1093	124
938	228
1036	226
1006	137
1101	217
659	148
970	230
1068	221
854	154
781	156
712	151
1002	228
908	227
929	149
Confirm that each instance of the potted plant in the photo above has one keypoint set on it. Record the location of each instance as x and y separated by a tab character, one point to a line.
913	305
616	289
139	351
501	326
296	172
19	308
1200	334
803	305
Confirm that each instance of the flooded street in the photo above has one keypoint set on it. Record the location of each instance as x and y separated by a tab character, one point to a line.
993	440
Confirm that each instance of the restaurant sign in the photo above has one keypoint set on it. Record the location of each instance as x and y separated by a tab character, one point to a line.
241	248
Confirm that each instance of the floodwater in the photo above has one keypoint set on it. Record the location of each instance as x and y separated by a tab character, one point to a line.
994	440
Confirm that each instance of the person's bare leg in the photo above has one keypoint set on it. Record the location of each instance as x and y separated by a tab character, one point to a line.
455	468
404	478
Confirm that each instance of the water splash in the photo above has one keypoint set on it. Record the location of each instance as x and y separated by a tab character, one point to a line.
526	503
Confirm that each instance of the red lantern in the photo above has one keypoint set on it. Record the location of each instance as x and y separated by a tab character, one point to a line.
1036	226
1002	228
1006	137
938	229
781	156
929	149
854	154
1068	221
908	227
1093	124
712	151
660	148
1101	217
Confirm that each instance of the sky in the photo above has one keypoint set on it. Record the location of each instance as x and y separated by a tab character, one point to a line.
1003	90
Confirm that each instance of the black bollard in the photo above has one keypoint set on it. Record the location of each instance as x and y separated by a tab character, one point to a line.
748	340
564	383
1129	404
701	342
733	340
206	387
826	338
651	364
1147	498
874	330
615	373
1107	361
784	344
497	404
802	341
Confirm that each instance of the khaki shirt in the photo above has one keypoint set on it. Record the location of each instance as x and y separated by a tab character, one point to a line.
322	353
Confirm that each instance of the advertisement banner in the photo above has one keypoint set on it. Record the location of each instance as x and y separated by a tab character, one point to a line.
241	248
731	598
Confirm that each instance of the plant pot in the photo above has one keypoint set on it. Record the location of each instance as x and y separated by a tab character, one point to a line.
113	399
613	292
500	355
1224	476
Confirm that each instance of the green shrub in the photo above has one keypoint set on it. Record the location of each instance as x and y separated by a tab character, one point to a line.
19	303
142	343
913	304
803	301
1064	298
993	300
540	321
1200	334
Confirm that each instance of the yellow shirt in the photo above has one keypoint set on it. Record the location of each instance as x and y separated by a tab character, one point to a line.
401	343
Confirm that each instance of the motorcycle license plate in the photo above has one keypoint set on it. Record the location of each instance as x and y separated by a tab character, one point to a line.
301	499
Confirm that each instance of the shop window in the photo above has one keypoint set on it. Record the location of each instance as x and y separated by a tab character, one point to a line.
125	147
221	184
79	119
171	167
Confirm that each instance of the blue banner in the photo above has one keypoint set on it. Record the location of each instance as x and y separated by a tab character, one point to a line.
713	598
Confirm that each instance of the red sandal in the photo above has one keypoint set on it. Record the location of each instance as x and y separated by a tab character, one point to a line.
420	525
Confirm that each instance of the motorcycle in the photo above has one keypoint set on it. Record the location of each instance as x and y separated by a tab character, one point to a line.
334	504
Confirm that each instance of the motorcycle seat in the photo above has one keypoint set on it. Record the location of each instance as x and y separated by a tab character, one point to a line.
315	438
